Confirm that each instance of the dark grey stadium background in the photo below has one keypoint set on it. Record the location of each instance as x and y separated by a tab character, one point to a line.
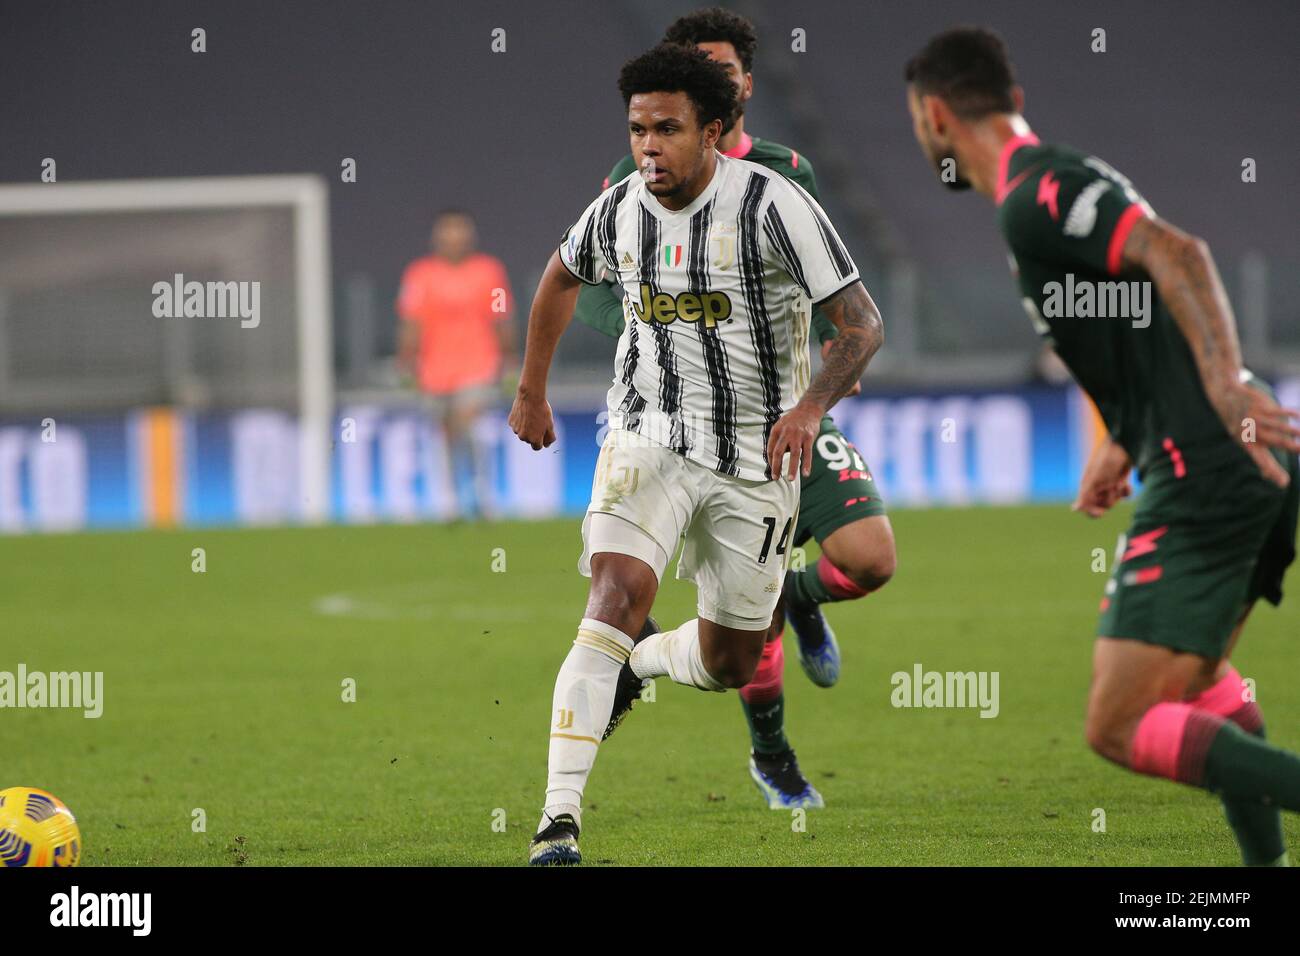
412	91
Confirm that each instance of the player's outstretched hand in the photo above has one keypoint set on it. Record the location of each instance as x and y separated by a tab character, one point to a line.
1258	424
532	421
1105	480
794	432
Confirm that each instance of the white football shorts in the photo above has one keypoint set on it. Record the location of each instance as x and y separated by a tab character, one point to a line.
646	499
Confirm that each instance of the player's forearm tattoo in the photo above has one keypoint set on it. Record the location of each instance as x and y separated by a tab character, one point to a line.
861	333
1188	282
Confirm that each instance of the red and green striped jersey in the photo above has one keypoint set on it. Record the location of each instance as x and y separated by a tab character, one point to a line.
1066	216
601	307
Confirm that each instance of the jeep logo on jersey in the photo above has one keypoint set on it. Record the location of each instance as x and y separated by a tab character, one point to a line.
712	307
672	255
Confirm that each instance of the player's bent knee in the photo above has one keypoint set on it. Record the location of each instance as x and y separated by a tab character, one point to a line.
1094	734
620	594
864	553
732	659
622	587
733	674
871	572
878	571
1106	737
733	667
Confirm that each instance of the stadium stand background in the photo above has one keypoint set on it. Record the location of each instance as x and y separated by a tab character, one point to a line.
1183	93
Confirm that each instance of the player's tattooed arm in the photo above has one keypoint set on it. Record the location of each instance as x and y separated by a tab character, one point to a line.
861	333
530	416
1185	275
1188	282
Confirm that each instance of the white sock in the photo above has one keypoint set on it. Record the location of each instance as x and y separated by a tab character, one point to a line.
580	711
674	654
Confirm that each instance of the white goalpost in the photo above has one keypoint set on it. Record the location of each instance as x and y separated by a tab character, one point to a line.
78	255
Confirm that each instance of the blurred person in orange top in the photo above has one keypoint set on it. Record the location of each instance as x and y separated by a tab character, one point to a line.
457	342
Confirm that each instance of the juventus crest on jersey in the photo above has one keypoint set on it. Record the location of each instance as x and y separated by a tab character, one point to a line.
717	301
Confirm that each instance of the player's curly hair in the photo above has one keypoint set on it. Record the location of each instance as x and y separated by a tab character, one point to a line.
970	68
716	25
673	68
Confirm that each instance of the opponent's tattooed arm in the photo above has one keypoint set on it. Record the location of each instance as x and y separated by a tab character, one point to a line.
1188	283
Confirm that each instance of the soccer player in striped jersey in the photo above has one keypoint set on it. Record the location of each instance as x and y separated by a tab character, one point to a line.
712	414
1215	528
840	505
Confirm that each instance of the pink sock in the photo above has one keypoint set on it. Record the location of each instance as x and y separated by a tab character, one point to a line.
1224	699
1171	741
766	684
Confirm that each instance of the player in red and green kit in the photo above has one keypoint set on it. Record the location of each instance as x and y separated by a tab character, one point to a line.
1135	309
839	503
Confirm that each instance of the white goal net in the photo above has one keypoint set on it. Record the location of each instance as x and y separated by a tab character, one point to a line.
201	295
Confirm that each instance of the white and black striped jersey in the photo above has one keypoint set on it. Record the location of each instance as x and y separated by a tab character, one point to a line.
717	298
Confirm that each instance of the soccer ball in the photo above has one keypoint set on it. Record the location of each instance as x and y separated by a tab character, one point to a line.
36	829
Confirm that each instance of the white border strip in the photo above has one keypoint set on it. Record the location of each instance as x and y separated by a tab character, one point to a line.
125	194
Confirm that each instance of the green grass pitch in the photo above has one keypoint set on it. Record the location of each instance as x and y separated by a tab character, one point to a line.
223	692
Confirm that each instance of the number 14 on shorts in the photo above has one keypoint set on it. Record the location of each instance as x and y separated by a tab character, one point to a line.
767	538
